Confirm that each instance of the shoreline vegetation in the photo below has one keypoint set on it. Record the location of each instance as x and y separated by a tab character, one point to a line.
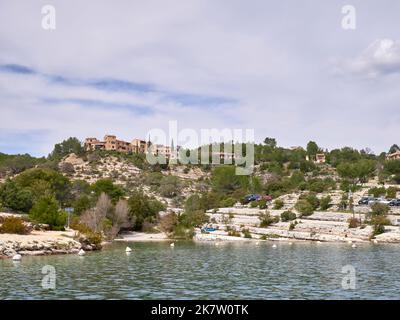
76	199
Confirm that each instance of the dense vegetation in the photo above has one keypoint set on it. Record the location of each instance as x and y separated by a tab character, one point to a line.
41	188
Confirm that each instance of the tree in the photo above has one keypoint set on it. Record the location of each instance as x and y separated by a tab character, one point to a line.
392	166
312	148
394	148
46	210
15	198
358	171
169	186
43	182
194	203
270	142
107	186
14	164
168	222
225	180
81	204
71	145
95	218
143	208
119	217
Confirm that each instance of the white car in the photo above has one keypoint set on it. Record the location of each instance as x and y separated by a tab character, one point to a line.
379	200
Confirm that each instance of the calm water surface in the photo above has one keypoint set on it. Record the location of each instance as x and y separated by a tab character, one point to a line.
205	271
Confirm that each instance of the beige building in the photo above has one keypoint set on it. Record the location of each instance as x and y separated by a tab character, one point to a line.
320	158
139	146
110	143
92	144
394	155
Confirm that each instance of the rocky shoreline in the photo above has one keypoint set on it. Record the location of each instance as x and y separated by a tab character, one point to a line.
43	243
326	226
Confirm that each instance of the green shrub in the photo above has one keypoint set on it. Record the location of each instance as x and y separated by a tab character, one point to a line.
292	225
311	198
228	202
304	208
376	220
353	222
46	211
288	216
93	237
262	204
234	233
377	229
246	233
81	204
266	220
377	191
253	204
183	232
391	192
379	209
278	204
14	225
109	188
325	203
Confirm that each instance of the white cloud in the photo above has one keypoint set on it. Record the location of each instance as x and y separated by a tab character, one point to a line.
271	59
382	57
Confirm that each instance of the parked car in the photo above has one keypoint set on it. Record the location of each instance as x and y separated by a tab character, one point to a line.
250	198
395	203
267	198
379	200
366	200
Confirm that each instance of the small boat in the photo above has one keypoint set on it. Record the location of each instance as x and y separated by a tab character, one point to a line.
128	249
81	252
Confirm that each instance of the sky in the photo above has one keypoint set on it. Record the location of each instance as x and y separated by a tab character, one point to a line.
286	69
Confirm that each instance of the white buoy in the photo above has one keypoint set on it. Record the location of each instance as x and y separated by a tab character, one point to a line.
81	252
128	249
274	246
17	257
349	242
375	241
172	245
290	243
257	243
318	242
354	246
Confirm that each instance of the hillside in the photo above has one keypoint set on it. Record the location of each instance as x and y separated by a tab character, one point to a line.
318	189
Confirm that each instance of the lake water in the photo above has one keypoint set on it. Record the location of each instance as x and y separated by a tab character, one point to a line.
206	271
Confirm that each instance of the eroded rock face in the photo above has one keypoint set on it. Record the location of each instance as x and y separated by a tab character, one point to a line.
73	159
11	248
320	226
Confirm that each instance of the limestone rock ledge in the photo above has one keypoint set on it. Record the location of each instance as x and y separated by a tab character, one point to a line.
41	243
